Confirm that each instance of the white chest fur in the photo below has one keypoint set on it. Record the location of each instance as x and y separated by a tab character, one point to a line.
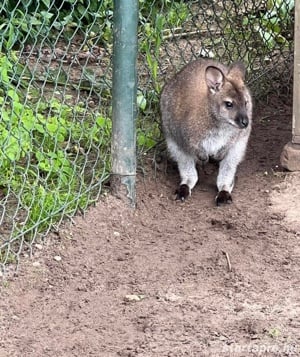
217	142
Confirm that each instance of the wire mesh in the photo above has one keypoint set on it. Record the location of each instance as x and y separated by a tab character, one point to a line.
173	33
259	33
55	92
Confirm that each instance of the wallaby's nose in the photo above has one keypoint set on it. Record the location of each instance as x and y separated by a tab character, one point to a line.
242	121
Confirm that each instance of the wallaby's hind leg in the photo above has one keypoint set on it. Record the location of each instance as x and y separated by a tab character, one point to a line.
189	178
187	170
227	170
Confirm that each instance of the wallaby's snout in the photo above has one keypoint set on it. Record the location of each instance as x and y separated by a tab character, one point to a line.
206	114
242	120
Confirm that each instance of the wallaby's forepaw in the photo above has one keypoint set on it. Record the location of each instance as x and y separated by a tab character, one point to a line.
223	197
182	192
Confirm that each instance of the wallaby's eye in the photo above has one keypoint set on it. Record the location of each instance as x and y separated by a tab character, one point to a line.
228	104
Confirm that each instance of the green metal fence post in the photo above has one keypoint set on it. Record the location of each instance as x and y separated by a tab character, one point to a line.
124	94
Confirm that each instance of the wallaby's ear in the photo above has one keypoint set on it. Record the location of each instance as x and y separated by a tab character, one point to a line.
237	69
214	78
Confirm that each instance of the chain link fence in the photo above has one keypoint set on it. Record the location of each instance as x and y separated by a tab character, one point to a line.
55	92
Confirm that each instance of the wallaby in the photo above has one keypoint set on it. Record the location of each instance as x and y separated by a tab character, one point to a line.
206	112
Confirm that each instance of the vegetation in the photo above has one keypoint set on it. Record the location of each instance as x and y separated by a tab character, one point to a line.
274	24
55	151
47	156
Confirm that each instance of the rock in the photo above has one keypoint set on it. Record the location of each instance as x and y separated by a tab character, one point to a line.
57	258
134	298
290	157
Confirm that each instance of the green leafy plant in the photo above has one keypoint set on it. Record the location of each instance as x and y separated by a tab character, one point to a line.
274	23
153	26
44	155
155	20
53	154
33	19
148	132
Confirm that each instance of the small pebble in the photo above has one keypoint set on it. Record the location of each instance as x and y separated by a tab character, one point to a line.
276	188
134	298
57	258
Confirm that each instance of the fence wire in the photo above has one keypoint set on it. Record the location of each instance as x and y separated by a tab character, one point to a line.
55	92
173	33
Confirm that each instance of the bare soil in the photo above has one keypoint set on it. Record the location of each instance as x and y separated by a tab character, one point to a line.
169	278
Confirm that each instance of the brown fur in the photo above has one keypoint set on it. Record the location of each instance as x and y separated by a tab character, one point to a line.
204	103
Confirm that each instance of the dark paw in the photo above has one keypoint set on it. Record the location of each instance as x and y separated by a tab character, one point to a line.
223	197
182	192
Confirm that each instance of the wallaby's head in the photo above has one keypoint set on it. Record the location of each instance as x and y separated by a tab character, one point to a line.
229	99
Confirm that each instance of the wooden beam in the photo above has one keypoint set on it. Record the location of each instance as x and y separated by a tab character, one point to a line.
296	95
290	156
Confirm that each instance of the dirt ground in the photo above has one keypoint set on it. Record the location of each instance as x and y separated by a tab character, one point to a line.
170	279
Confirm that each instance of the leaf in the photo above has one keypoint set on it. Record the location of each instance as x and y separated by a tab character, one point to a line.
13	95
46	15
141	101
12	149
46	3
